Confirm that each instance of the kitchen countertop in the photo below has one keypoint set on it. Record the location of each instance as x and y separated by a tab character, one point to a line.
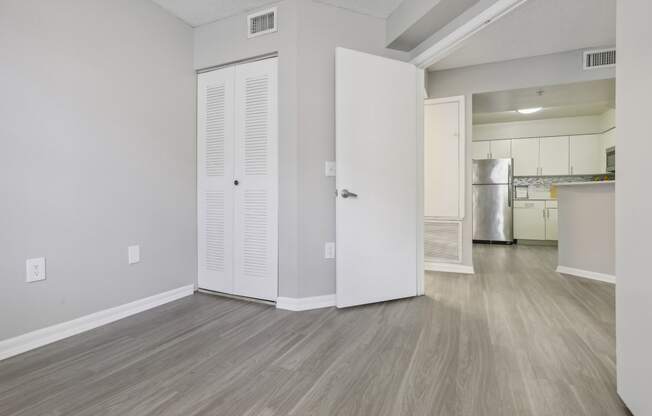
584	183
535	199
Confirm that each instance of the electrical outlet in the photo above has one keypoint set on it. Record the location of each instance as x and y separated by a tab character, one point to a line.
329	251
133	254
35	269
329	169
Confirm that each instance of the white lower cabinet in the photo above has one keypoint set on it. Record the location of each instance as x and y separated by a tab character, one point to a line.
529	220
551	220
551	224
535	220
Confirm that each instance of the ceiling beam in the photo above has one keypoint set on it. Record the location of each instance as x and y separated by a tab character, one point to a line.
446	40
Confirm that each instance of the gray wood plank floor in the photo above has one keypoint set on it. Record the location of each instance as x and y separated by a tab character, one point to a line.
515	339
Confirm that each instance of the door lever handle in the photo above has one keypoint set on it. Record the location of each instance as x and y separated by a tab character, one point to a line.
346	194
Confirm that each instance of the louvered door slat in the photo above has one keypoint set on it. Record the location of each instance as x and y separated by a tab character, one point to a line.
215	170
256	170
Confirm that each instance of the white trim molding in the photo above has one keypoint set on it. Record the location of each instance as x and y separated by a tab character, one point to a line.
26	342
608	278
449	268
305	304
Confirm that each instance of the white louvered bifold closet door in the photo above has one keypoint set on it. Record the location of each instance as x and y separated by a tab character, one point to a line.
237	180
256	217
215	171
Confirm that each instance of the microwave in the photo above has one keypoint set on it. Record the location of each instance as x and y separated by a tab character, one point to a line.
611	159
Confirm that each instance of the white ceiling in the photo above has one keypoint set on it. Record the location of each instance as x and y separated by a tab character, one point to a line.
539	27
568	100
377	8
200	12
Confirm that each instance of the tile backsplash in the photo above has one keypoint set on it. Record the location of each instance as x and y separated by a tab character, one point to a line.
539	186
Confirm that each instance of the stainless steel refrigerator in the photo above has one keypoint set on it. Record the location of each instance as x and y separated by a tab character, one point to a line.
492	200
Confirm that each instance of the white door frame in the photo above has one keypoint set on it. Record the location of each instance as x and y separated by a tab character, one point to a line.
421	96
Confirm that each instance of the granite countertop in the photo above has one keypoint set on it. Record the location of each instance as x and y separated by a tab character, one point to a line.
535	199
584	183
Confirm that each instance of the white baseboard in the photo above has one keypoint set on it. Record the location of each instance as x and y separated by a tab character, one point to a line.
48	335
449	268
305	304
587	274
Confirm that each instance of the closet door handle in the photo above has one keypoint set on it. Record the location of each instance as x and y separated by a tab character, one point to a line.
236	182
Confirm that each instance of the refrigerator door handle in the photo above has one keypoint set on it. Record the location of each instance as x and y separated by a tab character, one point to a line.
509	186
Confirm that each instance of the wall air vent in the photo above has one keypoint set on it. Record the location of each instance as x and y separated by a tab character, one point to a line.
262	23
599	58
442	241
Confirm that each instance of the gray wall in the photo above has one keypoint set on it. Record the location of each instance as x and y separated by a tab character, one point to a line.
96	153
634	205
317	40
539	71
587	231
308	34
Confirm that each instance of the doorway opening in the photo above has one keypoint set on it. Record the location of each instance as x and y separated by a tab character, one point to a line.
542	164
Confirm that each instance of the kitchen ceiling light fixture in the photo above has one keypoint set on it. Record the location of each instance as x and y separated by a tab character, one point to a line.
530	110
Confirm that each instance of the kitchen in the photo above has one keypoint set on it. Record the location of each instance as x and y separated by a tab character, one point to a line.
533	150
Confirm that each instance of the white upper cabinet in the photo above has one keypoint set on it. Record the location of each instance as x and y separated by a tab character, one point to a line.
526	157
553	156
587	154
491	149
481	150
501	149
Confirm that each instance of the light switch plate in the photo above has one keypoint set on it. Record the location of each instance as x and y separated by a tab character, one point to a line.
329	251
134	254
35	270
330	168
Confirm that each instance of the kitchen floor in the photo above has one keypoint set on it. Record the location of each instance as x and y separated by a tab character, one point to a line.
514	339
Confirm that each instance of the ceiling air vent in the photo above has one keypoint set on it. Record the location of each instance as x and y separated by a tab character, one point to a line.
599	58
262	23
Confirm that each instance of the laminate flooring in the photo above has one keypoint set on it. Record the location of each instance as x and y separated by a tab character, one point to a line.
516	338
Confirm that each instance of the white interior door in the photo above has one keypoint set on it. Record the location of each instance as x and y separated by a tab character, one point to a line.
377	152
444	158
215	170
256	206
